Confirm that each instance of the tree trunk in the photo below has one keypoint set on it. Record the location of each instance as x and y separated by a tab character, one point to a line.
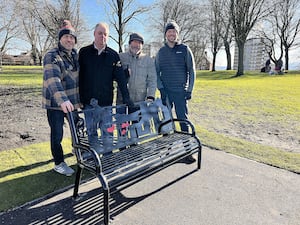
213	68
240	70
120	37
286	67
34	54
120	24
40	60
120	44
228	55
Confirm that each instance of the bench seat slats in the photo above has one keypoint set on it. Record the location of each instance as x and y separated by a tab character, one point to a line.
163	149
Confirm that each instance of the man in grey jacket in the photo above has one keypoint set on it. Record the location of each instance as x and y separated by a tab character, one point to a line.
140	71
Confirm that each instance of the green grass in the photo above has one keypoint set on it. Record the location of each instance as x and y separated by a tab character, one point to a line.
255	99
252	94
26	173
21	76
260	153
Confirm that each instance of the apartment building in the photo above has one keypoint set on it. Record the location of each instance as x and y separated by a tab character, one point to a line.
255	55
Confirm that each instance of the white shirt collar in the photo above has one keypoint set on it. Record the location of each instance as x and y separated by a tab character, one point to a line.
99	50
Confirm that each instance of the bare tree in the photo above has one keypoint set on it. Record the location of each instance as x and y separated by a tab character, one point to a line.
287	23
38	38
186	13
41	21
273	44
267	32
215	27
191	20
226	32
31	31
244	15
8	24
51	14
198	47
227	40
122	13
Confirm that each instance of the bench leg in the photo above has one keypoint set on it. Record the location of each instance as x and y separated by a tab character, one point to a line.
77	181
106	206
106	195
199	157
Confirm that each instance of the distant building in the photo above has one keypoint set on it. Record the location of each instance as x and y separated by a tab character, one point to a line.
204	63
255	55
22	59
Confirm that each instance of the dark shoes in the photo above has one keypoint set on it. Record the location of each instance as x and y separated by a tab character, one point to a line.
188	160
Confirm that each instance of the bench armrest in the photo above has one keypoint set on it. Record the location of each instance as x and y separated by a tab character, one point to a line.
84	153
172	123
189	123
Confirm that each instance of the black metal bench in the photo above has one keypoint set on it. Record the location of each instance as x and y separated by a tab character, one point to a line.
121	148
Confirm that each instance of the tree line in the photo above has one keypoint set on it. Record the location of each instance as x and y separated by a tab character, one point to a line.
207	25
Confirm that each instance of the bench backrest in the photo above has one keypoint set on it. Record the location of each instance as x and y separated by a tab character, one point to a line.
110	128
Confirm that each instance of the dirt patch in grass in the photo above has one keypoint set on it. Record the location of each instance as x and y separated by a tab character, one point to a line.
264	129
24	122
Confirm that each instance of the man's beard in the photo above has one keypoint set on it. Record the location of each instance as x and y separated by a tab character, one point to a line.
135	51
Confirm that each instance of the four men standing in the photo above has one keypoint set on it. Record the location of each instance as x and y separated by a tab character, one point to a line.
173	73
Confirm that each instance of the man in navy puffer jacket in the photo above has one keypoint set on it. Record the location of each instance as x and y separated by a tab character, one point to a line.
175	69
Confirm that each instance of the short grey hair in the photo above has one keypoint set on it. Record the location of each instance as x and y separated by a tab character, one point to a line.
103	24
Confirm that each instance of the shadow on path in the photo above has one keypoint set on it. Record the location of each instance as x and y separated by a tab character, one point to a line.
87	210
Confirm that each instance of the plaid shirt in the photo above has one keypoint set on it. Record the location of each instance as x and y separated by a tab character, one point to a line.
61	77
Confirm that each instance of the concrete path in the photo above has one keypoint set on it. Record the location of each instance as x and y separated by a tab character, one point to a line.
228	190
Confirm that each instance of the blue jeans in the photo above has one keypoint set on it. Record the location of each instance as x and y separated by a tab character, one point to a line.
56	123
177	99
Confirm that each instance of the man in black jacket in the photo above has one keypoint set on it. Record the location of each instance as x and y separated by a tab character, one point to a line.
99	67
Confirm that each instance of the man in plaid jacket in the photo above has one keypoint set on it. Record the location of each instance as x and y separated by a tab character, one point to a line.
61	90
